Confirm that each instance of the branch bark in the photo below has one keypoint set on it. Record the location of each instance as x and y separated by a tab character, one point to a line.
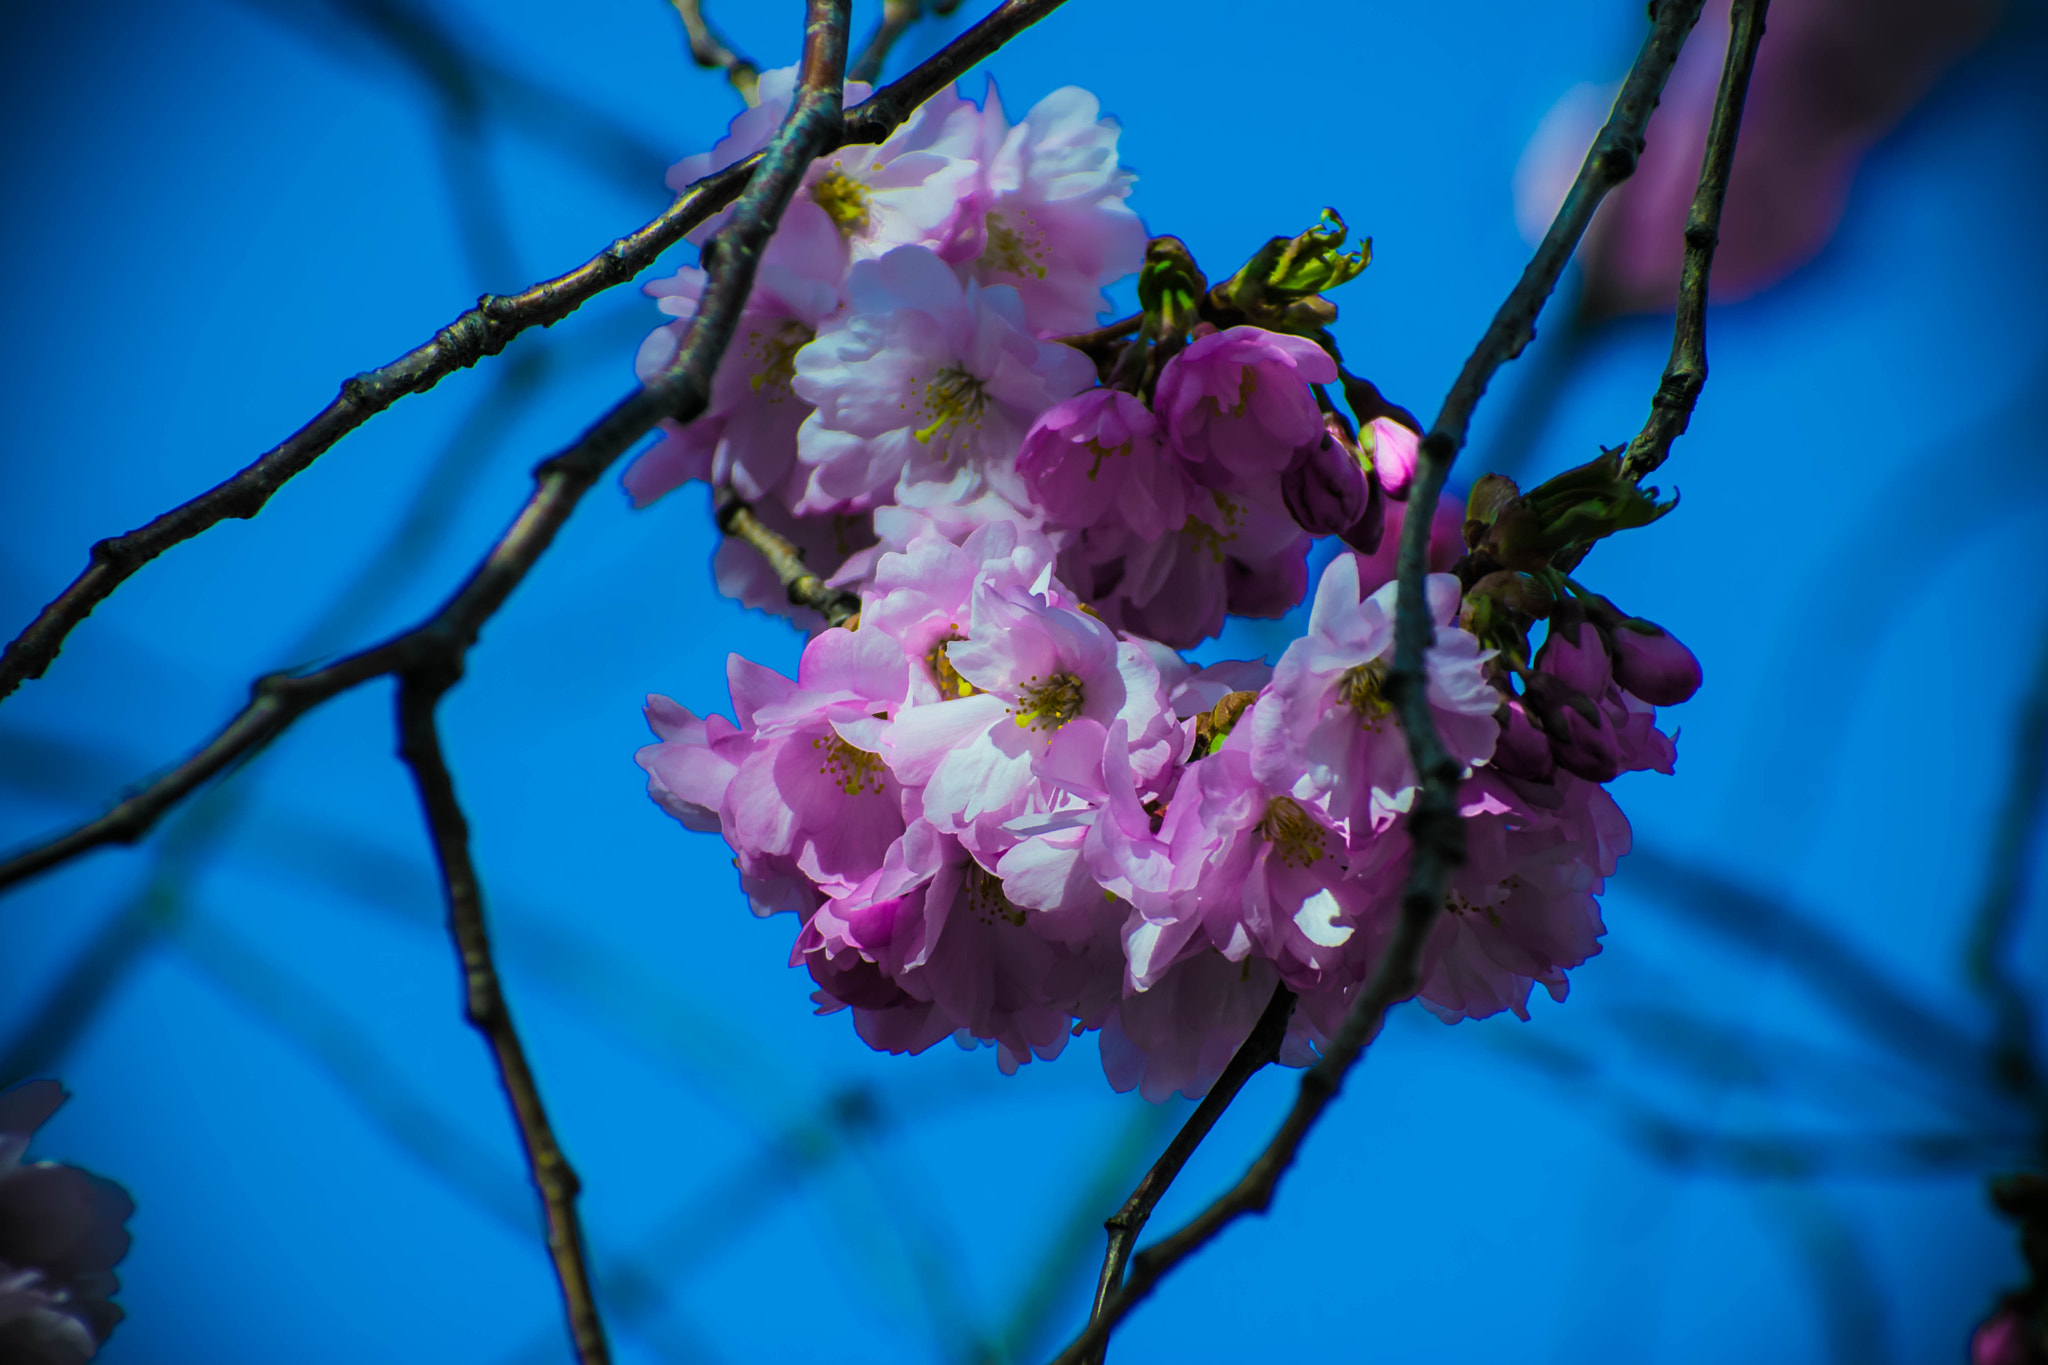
736	519
484	330
485	1008
1436	828
1261	1046
1686	374
708	50
681	392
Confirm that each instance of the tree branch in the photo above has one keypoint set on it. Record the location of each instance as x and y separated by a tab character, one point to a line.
1686	374
708	50
2026	795
1435	826
681	392
1123	1226
484	1005
482	331
736	519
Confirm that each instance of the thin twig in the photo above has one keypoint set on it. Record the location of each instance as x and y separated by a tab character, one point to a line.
482	331
709	50
682	391
897	15
560	482
2026	795
485	1008
1435	827
1261	1046
736	519
1686	374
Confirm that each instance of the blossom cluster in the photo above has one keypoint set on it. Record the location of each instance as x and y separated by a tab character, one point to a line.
1002	805
61	1234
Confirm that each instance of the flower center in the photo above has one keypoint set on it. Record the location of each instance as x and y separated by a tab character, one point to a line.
844	199
777	353
986	899
1102	453
1050	704
1211	538
951	685
1456	903
1013	251
1364	689
953	398
852	770
1295	837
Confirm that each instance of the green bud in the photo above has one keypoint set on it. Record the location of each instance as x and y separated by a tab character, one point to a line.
1279	286
1170	287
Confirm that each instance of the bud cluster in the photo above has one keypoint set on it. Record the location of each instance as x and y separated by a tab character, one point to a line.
1002	806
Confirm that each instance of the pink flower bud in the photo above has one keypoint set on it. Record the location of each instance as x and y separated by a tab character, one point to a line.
1582	739
1326	491
1574	651
1523	750
2002	1340
1395	450
1651	663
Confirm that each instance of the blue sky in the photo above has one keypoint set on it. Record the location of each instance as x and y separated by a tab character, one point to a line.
218	211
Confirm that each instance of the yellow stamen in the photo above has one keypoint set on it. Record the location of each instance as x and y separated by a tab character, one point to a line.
777	353
1050	704
1296	838
953	398
1364	689
852	770
844	199
986	898
951	685
1013	251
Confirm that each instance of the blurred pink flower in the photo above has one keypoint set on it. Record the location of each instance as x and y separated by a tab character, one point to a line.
1832	78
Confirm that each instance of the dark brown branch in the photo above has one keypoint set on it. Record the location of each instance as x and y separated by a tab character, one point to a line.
442	642
684	390
681	393
806	589
1437	831
482	331
1261	1046
708	50
484	1006
2026	796
1686	374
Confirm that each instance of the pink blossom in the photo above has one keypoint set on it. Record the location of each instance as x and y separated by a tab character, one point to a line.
1182	1033
746	437
1237	553
946	953
1042	676
1326	733
1522	908
909	189
923	389
1098	458
1048	216
1237	404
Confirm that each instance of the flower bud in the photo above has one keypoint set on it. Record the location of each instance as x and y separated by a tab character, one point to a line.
1574	651
1651	663
1523	750
1326	491
1489	496
1582	739
1395	450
